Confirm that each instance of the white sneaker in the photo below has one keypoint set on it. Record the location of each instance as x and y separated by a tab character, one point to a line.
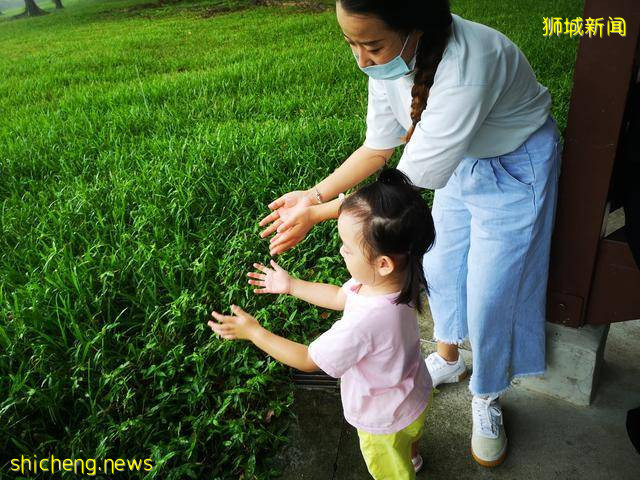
489	440
442	371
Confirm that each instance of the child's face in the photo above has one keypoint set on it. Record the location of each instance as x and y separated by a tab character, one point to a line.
350	231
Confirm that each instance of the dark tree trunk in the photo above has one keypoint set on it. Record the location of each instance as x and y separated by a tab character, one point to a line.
58	4
32	9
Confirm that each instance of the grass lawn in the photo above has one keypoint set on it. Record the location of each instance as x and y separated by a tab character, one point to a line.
139	147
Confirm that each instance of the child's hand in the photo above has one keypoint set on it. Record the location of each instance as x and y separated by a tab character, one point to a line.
242	326
273	281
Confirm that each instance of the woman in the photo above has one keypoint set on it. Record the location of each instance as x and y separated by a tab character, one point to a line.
477	129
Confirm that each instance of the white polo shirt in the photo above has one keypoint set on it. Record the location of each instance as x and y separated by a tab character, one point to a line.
485	101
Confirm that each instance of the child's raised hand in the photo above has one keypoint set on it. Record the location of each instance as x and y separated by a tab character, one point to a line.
242	326
275	280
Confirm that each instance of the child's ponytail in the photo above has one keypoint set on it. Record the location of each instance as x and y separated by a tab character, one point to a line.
396	222
393	176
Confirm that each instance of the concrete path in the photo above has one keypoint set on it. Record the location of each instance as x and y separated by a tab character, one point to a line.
548	438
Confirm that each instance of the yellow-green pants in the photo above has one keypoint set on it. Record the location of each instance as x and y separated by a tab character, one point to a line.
388	456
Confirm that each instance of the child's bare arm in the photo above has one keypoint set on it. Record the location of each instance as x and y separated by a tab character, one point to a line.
277	280
290	353
245	326
320	294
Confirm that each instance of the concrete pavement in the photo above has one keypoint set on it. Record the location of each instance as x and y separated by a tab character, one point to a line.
548	438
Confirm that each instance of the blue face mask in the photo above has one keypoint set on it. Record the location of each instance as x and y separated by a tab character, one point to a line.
391	70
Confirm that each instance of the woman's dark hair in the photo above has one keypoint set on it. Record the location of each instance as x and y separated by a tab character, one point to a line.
396	222
433	19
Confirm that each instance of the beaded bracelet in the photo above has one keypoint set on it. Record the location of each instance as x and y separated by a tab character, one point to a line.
318	196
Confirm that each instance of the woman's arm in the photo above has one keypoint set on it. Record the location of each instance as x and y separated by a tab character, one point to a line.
294	221
359	166
292	230
320	294
325	211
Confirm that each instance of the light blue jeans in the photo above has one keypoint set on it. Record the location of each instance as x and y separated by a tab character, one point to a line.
487	271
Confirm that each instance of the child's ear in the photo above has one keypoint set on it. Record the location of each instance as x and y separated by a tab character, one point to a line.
385	265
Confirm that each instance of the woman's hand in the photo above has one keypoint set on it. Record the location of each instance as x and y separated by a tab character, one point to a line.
294	227
242	326
275	280
282	206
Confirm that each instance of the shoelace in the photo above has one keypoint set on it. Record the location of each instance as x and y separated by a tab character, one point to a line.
489	415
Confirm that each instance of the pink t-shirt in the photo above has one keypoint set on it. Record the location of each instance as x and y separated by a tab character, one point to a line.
375	350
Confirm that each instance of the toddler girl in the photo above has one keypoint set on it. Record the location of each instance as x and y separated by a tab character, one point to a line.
385	228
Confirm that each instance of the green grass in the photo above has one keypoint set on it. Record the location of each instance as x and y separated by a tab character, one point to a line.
138	150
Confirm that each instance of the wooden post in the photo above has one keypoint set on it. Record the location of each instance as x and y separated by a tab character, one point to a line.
593	279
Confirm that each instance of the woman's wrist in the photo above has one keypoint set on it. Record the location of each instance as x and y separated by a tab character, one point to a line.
292	282
326	211
320	213
312	197
318	195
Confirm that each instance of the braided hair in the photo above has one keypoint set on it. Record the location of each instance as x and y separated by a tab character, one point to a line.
433	19
396	222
